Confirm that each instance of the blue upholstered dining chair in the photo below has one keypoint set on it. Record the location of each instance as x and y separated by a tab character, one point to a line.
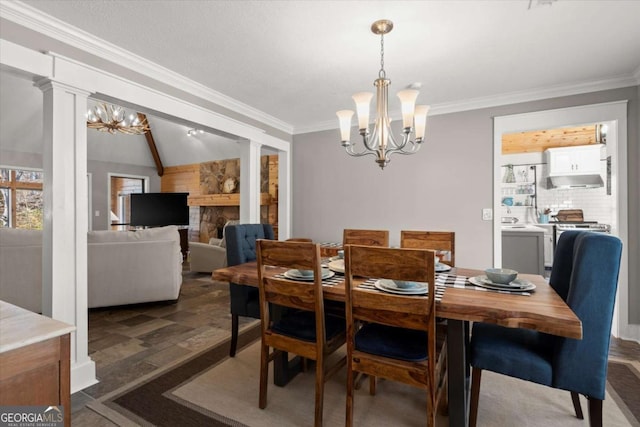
241	248
585	275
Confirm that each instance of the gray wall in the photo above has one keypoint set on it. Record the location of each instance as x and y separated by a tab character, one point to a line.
443	187
100	186
99	179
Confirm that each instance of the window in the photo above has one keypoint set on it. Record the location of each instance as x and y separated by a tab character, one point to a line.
21	204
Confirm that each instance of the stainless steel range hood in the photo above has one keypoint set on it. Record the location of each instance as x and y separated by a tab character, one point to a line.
575	181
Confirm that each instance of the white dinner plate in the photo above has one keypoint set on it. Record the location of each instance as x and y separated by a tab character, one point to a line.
518	285
390	286
515	284
440	267
336	258
337	266
295	275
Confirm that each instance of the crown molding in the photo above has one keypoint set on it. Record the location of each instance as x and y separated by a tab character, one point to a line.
29	17
33	19
505	99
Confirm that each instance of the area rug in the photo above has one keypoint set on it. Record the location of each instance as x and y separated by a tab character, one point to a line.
215	390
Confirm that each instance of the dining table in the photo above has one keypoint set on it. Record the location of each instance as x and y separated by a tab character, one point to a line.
460	304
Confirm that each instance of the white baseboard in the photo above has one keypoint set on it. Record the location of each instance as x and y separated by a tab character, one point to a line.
83	375
629	332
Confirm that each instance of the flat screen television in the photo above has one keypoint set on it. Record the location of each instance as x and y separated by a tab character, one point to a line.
159	209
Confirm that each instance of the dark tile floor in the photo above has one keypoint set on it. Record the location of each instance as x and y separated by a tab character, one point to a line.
129	342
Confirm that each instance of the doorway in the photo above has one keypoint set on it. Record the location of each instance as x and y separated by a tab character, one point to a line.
616	114
120	189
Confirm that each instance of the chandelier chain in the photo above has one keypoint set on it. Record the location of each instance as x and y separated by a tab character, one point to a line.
382	74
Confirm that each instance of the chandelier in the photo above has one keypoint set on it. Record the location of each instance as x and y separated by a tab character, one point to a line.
111	118
194	132
381	143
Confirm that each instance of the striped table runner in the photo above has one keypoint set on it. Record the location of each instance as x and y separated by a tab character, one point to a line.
462	282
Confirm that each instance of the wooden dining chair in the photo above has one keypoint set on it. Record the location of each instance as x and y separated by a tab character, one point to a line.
304	329
299	239
365	237
434	240
393	336
585	274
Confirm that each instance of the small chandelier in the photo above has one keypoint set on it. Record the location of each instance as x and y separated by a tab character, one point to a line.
194	132
111	118
381	142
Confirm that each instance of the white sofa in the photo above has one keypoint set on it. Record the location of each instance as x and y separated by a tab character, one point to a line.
124	267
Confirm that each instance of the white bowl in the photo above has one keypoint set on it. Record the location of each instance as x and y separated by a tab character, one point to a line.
306	273
501	275
405	284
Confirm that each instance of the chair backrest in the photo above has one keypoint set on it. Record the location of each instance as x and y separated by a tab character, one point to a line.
585	273
365	237
433	240
241	241
379	307
303	295
300	239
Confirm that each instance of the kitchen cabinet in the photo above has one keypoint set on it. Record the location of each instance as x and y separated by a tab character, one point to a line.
34	360
548	249
523	249
576	160
548	243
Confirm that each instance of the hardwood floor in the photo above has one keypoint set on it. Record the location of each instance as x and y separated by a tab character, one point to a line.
129	342
624	350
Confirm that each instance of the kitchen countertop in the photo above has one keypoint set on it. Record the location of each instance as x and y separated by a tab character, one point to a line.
523	227
20	327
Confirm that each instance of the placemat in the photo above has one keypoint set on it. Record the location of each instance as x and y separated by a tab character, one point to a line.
369	284
462	282
330	245
331	281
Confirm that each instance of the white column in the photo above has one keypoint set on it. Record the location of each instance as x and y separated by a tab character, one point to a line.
249	182
284	195
64	246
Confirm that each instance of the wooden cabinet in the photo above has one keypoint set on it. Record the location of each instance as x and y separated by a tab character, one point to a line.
184	242
34	360
579	160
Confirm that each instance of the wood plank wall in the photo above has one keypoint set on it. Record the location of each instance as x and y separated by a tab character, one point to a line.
540	140
181	179
272	213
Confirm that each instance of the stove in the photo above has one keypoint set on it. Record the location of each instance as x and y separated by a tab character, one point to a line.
593	226
585	225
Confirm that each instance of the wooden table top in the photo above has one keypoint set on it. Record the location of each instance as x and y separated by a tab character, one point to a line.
543	310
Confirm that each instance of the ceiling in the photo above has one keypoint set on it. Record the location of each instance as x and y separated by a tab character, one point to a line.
300	61
18	132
